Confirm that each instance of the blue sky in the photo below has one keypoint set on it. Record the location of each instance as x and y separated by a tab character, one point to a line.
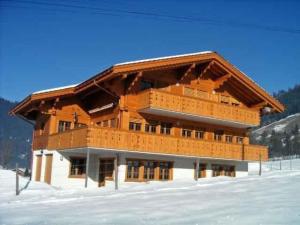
46	45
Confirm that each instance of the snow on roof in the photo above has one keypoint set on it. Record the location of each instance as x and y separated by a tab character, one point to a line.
54	89
165	57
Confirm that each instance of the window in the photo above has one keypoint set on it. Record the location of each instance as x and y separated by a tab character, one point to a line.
218	135
105	123
164	170
224	99
202	170
188	91
146	85
216	170
149	169
223	170
151	127
229	171
165	128
77	166
199	134
239	140
63	126
235	102
143	170
78	125
186	133
133	167
134	126
228	138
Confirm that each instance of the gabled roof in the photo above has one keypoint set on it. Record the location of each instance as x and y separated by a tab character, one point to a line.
43	95
156	64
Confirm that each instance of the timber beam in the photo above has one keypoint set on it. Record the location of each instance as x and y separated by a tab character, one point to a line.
134	81
206	69
219	82
188	71
259	105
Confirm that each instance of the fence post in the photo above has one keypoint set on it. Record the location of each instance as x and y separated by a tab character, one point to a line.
291	163
259	164
17	180
280	164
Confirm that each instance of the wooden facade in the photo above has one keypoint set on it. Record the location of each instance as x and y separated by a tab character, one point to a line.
196	105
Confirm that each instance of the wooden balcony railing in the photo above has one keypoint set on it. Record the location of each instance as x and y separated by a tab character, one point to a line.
109	138
199	107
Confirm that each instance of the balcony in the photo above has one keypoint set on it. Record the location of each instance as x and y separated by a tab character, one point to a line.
197	109
113	139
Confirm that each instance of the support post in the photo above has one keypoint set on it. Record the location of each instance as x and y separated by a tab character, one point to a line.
280	164
259	164
116	171
17	180
196	169
87	165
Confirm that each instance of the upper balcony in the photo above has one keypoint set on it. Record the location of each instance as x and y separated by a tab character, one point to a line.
114	139
205	108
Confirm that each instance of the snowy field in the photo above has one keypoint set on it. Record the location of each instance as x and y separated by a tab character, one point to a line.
272	198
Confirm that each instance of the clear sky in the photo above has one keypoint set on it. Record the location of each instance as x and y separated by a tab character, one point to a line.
47	43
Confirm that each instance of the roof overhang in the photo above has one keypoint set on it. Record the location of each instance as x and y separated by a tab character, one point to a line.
44	95
149	65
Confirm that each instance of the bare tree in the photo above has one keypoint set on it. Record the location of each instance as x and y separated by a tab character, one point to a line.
6	149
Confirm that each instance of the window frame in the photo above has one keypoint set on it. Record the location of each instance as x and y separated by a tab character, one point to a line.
201	132
166	130
134	126
130	175
82	175
63	126
187	133
240	140
218	134
151	127
228	138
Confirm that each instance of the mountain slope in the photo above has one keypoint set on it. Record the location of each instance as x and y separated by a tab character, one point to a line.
282	136
15	138
291	100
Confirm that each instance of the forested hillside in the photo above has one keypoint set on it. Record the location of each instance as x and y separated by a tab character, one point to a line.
281	131
15	138
291	100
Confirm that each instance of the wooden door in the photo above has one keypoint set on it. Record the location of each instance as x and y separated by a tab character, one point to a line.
106	170
48	169
202	172
38	168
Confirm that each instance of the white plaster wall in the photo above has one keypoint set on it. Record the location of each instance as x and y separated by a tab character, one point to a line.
183	167
61	170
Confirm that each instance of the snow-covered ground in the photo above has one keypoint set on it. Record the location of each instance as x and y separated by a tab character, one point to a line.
272	198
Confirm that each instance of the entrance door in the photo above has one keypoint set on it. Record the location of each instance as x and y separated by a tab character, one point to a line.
48	169
106	170
38	168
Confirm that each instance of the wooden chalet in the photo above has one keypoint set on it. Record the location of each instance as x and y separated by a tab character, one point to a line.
178	117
